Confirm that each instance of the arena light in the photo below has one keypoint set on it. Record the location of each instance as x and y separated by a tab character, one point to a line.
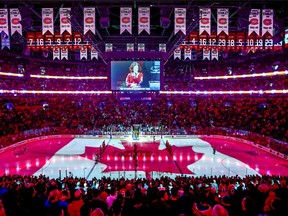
274	91
274	73
68	77
11	74
3	91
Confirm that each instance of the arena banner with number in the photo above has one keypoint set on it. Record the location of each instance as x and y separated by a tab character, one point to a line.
39	41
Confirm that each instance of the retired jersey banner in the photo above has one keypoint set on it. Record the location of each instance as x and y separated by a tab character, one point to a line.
89	20
47	20
94	53
214	53
268	42
56	53
83	53
65	24
30	40
77	40
194	40
250	43
64	53
231	43
254	22
125	19
204	20
141	47
259	42
108	47
267	21
212	40
240	41
177	53
162	47
144	19
206	53
187	54
180	20
223	20
130	47
39	41
222	41
4	21
48	41
15	18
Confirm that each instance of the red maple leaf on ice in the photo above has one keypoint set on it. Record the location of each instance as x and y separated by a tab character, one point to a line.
149	158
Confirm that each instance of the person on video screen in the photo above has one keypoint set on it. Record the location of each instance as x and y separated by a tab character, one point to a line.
135	76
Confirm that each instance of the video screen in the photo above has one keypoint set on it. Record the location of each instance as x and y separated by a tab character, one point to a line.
135	75
286	38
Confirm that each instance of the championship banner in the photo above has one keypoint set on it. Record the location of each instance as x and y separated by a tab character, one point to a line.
15	18
268	42
4	21
267	21
67	40
204	20
180	20
258	43
83	53
48	41
39	41
64	53
77	40
202	41
130	47
58	39
223	20
125	19
240	40
65	24
250	43
47	20
231	42
194	40
144	19
222	42
141	47
108	47
177	53
187	54
94	53
5	40
212	40
162	47
89	20
214	53
30	40
206	53
254	22
56	53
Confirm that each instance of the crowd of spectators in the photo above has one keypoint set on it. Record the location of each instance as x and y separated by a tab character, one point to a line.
186	196
81	114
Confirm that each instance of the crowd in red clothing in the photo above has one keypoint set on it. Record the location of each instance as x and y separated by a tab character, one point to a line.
186	196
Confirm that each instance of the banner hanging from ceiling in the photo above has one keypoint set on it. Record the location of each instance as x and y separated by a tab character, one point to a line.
144	19
89	20
47	21
180	20
125	19
15	18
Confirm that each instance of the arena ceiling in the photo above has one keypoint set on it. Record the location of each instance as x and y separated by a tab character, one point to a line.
161	32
